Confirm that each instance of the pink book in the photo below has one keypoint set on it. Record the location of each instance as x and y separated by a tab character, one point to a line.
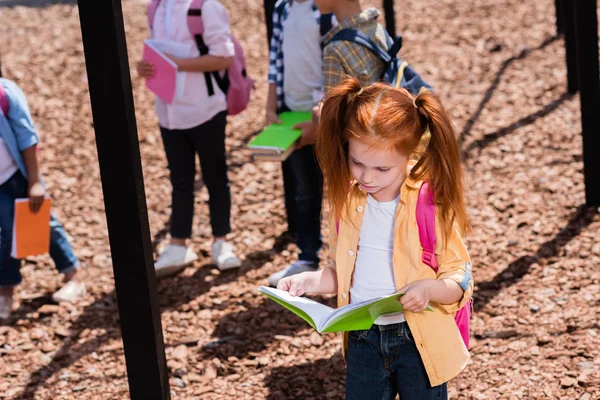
164	81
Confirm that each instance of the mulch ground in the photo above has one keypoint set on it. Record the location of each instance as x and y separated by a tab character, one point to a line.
535	248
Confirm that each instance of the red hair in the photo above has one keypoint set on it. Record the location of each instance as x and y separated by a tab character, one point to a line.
392	118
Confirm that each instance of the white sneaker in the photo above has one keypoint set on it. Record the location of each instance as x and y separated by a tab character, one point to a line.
173	259
295	268
223	257
6	302
71	292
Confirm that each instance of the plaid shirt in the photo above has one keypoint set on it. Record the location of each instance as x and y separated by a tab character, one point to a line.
341	58
280	14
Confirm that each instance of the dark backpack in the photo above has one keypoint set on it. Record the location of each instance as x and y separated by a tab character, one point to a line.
397	72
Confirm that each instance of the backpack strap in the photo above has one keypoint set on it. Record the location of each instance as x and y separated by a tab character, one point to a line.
196	27
356	36
395	46
152	6
426	224
325	23
3	101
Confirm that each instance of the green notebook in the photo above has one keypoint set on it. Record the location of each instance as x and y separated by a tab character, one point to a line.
352	317
278	138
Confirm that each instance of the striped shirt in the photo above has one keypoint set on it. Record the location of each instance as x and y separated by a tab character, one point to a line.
280	14
342	58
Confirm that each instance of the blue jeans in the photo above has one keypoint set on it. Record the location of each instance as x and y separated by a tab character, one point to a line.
60	248
309	196
384	361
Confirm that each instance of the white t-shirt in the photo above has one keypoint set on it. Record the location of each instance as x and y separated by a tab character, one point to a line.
8	166
373	273
301	47
192	106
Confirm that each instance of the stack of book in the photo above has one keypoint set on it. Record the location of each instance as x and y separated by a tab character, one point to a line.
277	141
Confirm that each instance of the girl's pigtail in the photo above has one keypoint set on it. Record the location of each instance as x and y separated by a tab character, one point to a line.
331	146
441	163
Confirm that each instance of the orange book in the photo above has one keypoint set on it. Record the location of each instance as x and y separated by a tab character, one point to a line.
31	232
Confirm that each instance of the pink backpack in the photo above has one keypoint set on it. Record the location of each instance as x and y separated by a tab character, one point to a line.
427	236
236	83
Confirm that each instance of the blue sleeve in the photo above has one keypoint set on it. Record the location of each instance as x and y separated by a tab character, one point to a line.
275	46
19	117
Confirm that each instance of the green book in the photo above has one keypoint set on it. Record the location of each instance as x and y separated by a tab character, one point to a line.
351	317
277	139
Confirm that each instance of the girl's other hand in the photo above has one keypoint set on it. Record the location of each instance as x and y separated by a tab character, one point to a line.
416	296
145	69
295	285
36	197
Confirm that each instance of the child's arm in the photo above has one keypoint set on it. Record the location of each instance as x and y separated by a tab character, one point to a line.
36	190
274	54
22	127
454	284
205	63
420	293
272	117
321	281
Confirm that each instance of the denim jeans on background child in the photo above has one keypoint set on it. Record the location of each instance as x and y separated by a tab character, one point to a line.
309	197
303	180
384	361
61	251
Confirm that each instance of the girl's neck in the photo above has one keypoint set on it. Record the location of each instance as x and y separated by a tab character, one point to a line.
389	193
346	9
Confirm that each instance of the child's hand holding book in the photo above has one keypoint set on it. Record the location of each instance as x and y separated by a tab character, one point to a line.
295	285
145	69
272	118
36	196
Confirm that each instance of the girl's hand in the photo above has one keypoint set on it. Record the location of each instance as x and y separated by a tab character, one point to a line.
309	132
294	285
272	118
416	296
145	69
36	197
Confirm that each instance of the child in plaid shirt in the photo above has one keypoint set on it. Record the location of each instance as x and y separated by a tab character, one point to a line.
342	59
296	84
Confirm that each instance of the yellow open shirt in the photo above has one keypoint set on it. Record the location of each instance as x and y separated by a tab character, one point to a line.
436	336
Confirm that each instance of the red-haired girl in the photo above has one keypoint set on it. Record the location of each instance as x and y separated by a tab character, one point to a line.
387	143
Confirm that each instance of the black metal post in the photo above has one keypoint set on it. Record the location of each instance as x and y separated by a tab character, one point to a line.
560	17
124	198
586	23
568	8
269	7
390	17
